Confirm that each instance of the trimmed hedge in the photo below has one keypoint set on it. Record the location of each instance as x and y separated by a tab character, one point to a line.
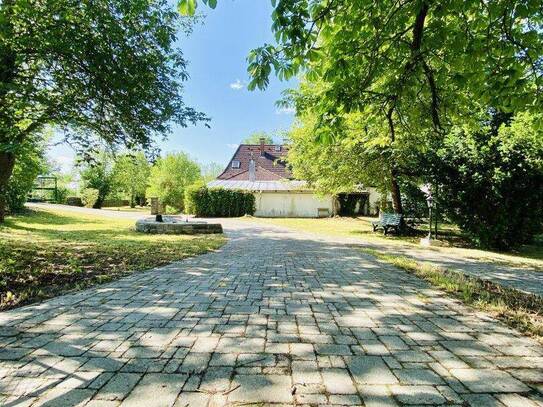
74	201
218	202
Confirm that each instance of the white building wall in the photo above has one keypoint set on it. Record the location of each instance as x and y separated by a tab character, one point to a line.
374	200
293	205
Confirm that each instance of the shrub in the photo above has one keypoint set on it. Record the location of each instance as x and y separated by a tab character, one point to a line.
74	201
204	202
491	182
89	196
115	202
61	195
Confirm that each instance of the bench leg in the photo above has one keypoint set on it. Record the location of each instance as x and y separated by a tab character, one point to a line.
385	229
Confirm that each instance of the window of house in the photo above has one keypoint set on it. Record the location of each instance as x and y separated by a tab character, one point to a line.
277	148
235	164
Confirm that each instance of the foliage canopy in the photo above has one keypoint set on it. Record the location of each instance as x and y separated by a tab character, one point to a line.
105	69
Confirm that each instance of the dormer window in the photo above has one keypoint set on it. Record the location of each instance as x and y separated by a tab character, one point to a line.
235	164
277	148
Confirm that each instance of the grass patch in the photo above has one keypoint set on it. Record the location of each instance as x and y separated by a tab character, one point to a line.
45	253
517	309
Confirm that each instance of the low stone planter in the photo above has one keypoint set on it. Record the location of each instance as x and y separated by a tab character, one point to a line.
176	226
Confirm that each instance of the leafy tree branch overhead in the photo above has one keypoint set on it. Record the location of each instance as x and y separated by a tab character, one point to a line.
413	64
104	70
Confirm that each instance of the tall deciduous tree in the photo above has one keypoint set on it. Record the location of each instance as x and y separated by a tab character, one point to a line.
131	176
411	64
106	68
170	176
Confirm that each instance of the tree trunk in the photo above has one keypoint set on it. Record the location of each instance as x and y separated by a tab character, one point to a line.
395	192
7	162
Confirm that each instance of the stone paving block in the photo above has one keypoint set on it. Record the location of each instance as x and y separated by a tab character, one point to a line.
192	399
481	400
79	380
417	395
377	396
195	362
240	345
261	389
517	400
331	349
417	356
468	348
345	399
102	365
119	386
156	390
417	376
338	381
370	370
223	359
13	353
305	372
489	380
64	397
528	375
216	379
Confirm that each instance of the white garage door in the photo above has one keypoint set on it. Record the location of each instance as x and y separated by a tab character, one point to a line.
292	205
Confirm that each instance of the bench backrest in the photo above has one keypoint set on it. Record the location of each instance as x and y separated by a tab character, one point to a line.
391	218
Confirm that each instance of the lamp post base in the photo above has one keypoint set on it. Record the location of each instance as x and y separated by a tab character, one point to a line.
426	241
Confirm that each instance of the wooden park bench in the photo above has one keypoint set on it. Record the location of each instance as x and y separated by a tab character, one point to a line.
388	221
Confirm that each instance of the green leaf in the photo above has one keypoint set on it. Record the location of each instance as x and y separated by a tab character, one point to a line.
187	7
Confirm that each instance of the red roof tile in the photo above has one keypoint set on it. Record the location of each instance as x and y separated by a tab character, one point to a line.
270	165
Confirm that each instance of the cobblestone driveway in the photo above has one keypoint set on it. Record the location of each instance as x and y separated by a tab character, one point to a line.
274	317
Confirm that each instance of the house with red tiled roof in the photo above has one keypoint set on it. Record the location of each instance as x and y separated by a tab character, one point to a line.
269	163
263	169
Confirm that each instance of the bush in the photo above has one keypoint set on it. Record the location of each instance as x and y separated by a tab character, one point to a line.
491	182
115	202
62	195
74	201
89	196
218	202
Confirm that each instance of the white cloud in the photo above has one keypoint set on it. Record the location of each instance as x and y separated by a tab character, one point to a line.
237	85
233	146
285	110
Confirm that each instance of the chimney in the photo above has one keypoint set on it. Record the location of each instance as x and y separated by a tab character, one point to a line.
252	170
262	141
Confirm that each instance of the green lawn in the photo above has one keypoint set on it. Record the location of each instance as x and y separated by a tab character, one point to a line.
451	237
47	252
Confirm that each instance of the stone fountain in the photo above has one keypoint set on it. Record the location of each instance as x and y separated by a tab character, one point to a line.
173	225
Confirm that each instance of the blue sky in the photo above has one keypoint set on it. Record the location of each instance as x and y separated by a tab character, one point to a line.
216	51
